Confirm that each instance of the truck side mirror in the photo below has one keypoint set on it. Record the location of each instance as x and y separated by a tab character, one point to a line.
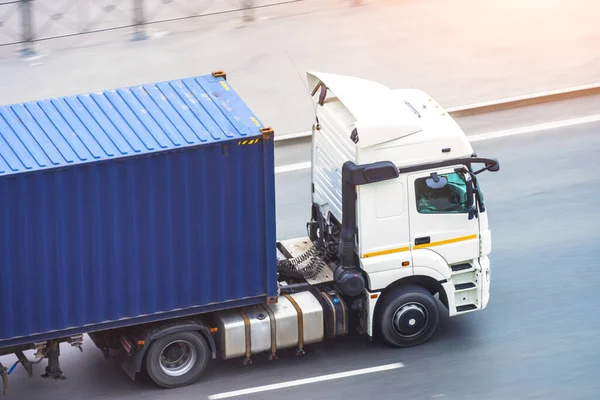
435	181
491	164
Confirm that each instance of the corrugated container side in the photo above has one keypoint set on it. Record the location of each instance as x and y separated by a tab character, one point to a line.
145	237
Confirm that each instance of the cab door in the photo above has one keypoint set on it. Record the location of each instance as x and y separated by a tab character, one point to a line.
439	214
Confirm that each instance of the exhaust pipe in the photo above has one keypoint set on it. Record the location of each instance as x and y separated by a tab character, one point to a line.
348	275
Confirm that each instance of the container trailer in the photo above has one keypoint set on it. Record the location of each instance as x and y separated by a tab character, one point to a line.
144	217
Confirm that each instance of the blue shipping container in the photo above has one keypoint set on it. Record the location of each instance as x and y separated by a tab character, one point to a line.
132	205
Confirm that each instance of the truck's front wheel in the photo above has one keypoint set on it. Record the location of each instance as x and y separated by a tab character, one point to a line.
178	359
408	316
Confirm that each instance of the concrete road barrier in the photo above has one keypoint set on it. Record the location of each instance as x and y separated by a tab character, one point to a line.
525	100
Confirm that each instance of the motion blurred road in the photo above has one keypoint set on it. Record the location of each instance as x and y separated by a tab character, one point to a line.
536	340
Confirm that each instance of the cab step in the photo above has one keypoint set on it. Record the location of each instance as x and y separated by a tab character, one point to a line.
466	307
462	269
464	286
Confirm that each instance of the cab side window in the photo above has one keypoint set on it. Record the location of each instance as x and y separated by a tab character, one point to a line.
452	198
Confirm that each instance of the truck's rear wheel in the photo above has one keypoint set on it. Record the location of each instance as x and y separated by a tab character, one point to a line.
178	359
408	316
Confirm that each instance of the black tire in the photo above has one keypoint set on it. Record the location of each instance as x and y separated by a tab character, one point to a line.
407	316
176	347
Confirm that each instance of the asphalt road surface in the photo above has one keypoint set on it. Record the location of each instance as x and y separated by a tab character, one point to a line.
536	340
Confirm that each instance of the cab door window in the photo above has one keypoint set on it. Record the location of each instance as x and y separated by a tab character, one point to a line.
451	198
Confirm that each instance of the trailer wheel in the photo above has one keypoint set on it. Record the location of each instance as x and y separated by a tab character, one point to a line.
178	359
408	316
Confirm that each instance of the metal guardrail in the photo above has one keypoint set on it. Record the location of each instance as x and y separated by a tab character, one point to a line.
496	105
28	21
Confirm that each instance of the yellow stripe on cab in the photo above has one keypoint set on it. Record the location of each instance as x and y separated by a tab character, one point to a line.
419	246
384	252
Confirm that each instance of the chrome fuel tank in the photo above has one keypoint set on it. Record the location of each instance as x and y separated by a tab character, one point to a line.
270	326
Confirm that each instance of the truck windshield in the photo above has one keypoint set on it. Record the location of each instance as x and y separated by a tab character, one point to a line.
451	198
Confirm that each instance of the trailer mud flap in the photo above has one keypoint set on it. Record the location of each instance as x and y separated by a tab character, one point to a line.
128	365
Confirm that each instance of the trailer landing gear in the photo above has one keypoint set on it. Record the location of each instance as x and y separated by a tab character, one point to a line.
44	350
53	370
4	373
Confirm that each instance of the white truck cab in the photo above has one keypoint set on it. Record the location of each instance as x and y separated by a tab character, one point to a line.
394	172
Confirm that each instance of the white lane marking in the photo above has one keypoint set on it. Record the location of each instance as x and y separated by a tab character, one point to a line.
484	136
295	135
293	167
535	128
306	381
